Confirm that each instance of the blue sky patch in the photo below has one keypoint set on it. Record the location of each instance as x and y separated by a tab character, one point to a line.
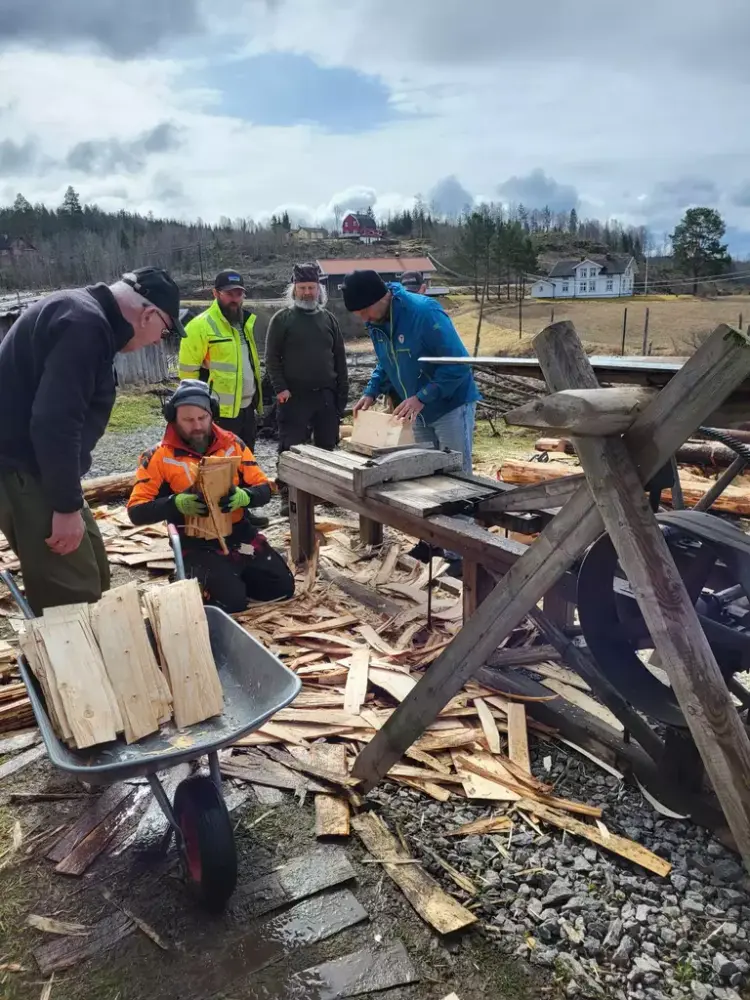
284	89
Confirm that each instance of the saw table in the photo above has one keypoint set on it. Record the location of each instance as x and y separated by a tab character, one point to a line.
421	492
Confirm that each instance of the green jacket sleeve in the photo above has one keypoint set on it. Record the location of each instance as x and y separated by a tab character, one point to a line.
193	348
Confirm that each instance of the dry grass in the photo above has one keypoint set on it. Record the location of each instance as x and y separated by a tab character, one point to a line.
676	324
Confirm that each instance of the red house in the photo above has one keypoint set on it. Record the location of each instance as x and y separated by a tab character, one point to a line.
357	224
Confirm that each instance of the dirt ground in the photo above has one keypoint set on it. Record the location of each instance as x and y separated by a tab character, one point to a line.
676	323
209	956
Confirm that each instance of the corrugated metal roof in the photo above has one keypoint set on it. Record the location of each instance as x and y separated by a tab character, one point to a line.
383	265
609	263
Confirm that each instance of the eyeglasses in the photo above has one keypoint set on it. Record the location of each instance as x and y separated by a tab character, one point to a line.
168	322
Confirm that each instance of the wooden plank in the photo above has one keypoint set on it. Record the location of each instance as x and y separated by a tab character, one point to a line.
518	738
302	524
610	841
355	692
78	672
186	650
88	850
21	741
331	812
583	701
370	970
488	724
262	771
365	595
397	685
129	660
478	584
106	803
294	880
65	952
423	892
377	429
375	641
558	673
490	784
214	480
314	770
720	364
342	621
385	573
23	760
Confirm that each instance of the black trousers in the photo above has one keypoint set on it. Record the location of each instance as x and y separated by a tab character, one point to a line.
244	425
309	414
229	582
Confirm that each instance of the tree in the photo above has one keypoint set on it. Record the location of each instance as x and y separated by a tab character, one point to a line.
337	213
475	244
22	204
71	204
697	245
573	221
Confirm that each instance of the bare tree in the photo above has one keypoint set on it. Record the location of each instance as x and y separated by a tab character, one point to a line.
338	211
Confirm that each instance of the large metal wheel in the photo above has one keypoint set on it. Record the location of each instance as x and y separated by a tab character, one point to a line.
713	558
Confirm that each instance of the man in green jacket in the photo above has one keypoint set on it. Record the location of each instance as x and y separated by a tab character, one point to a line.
219	347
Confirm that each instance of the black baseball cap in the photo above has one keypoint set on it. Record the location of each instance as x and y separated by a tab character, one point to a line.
155	285
412	279
228	279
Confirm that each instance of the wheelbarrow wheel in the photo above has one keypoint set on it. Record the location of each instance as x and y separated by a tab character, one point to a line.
209	852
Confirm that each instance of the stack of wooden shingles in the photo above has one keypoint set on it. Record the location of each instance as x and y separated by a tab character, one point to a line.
15	707
98	672
356	666
145	547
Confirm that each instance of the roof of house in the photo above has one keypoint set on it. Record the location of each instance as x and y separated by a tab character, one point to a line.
309	229
364	220
609	263
383	265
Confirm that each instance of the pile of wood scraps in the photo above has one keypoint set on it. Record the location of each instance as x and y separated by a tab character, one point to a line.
100	676
357	663
146	547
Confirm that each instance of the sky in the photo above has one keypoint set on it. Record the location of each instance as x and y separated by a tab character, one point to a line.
189	109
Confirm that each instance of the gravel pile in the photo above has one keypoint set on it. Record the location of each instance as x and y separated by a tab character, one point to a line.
603	926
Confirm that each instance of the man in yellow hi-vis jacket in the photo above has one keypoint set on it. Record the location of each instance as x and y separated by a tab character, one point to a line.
219	348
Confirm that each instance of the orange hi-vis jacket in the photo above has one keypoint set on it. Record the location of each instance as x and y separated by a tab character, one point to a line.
172	468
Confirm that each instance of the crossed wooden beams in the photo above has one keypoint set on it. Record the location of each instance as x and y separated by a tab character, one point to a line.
611	498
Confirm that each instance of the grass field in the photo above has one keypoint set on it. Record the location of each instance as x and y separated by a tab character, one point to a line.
676	323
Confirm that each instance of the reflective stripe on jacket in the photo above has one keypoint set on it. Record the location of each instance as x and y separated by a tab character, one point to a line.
213	344
172	467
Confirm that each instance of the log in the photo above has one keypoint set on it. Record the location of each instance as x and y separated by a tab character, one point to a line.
661	594
710	453
584	411
719	365
104	489
734	499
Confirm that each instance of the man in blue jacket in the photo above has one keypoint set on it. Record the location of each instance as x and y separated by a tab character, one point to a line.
440	399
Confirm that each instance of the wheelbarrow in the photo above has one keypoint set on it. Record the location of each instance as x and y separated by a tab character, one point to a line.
256	685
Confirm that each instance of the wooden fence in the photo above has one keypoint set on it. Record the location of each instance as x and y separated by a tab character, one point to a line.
151	364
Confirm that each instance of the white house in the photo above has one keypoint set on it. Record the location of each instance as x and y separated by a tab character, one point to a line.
597	276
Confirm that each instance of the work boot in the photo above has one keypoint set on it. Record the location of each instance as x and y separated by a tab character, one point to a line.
257	520
421	552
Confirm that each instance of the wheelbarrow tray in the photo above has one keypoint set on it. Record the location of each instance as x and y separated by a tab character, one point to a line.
256	685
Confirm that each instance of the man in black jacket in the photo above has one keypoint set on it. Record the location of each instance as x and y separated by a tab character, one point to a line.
306	362
57	390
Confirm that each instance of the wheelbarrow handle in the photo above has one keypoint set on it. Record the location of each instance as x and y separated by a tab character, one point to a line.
18	597
179	562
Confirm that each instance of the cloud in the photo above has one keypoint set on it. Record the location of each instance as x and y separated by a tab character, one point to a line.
741	196
123	31
449	197
537	190
104	156
679	194
17	158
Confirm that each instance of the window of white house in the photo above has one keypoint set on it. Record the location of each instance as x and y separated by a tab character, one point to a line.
610	285
582	287
592	286
565	288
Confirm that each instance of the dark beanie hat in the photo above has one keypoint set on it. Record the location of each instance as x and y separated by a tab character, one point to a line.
305	272
363	289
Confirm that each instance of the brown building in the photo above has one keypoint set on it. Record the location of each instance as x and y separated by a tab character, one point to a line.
389	269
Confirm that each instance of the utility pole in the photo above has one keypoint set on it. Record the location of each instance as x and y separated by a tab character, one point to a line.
645	278
200	264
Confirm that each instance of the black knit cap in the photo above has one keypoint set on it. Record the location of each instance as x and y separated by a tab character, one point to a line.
305	272
363	289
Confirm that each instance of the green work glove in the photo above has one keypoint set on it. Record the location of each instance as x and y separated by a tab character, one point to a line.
191	504
235	499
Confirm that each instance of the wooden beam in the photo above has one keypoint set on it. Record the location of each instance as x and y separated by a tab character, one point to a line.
370	531
302	523
478	585
662	597
583	411
557	607
657	433
535	496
